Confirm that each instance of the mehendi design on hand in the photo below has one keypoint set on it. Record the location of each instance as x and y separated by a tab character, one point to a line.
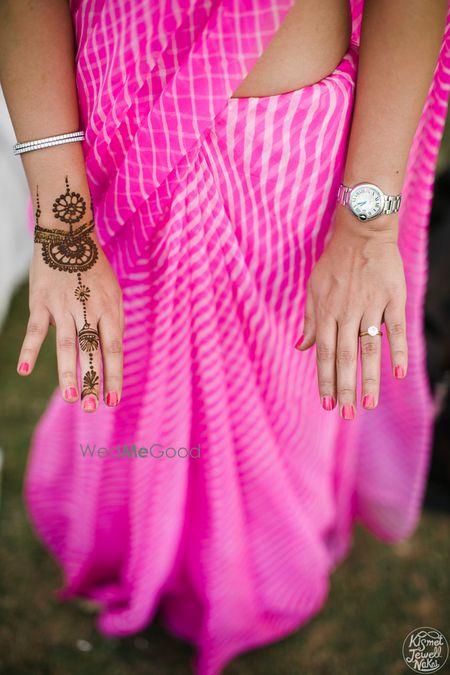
75	251
69	207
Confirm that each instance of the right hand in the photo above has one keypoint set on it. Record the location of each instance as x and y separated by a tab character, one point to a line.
54	300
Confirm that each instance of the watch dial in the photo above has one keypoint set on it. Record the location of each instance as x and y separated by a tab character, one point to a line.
366	202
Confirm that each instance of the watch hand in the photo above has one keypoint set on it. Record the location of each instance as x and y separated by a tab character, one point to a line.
361	203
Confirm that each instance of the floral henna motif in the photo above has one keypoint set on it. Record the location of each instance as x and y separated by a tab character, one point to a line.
90	383
73	251
69	207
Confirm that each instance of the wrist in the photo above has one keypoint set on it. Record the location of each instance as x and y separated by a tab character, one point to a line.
383	227
63	204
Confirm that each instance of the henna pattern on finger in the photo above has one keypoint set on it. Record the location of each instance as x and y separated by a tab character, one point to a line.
73	251
88	338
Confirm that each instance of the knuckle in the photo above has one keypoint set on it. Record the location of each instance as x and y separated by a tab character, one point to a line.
396	328
325	385
371	381
369	348
35	329
66	342
324	352
68	375
345	357
344	392
114	346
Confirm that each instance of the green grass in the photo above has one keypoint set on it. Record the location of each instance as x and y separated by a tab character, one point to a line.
378	594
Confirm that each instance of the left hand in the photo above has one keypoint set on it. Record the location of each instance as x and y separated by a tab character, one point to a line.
358	282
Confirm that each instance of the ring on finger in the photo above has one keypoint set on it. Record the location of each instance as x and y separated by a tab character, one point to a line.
373	331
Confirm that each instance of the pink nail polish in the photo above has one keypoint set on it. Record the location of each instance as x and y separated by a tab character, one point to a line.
368	401
299	342
24	367
89	403
112	399
328	402
348	412
70	394
399	372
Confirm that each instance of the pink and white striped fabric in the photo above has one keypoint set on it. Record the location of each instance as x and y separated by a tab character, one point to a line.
213	211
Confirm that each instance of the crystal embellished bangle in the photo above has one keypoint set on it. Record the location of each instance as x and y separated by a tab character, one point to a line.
48	142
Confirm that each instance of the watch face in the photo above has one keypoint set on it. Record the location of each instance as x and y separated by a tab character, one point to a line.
366	201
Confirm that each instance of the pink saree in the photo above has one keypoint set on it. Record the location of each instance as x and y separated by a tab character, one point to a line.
213	211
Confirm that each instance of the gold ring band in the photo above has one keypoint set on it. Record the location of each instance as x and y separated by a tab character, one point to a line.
372	331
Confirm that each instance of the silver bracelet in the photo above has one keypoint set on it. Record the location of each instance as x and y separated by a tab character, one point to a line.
48	142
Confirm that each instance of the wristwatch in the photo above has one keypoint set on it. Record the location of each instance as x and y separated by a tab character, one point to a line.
367	201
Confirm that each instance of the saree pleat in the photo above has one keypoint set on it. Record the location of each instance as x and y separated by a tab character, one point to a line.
213	211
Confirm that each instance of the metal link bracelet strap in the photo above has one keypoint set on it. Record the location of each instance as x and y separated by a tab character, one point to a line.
48	142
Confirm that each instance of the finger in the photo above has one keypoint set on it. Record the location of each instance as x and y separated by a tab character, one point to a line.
370	347
326	362
37	329
395	321
307	338
111	334
89	351
346	367
66	356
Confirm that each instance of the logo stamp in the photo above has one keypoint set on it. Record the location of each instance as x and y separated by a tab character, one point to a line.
425	650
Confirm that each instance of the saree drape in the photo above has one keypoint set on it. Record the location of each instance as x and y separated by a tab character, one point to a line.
212	211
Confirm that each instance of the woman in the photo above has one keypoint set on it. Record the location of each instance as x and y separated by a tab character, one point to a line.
217	136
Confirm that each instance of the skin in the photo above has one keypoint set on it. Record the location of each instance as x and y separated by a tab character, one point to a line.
359	279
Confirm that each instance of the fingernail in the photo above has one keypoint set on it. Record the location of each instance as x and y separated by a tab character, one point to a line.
328	402
112	399
368	401
89	403
70	394
348	412
24	367
300	340
399	372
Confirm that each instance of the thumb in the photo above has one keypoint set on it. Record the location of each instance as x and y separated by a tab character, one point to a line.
308	337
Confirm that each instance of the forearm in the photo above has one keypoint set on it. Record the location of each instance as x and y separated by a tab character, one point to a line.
37	73
400	43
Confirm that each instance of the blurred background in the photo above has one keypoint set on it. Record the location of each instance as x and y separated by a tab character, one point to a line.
378	595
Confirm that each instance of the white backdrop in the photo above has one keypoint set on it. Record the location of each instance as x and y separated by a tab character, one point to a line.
16	243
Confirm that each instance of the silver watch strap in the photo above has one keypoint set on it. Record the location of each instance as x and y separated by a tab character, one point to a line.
343	194
391	204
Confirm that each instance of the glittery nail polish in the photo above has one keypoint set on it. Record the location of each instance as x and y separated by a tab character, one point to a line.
399	372
70	394
24	367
